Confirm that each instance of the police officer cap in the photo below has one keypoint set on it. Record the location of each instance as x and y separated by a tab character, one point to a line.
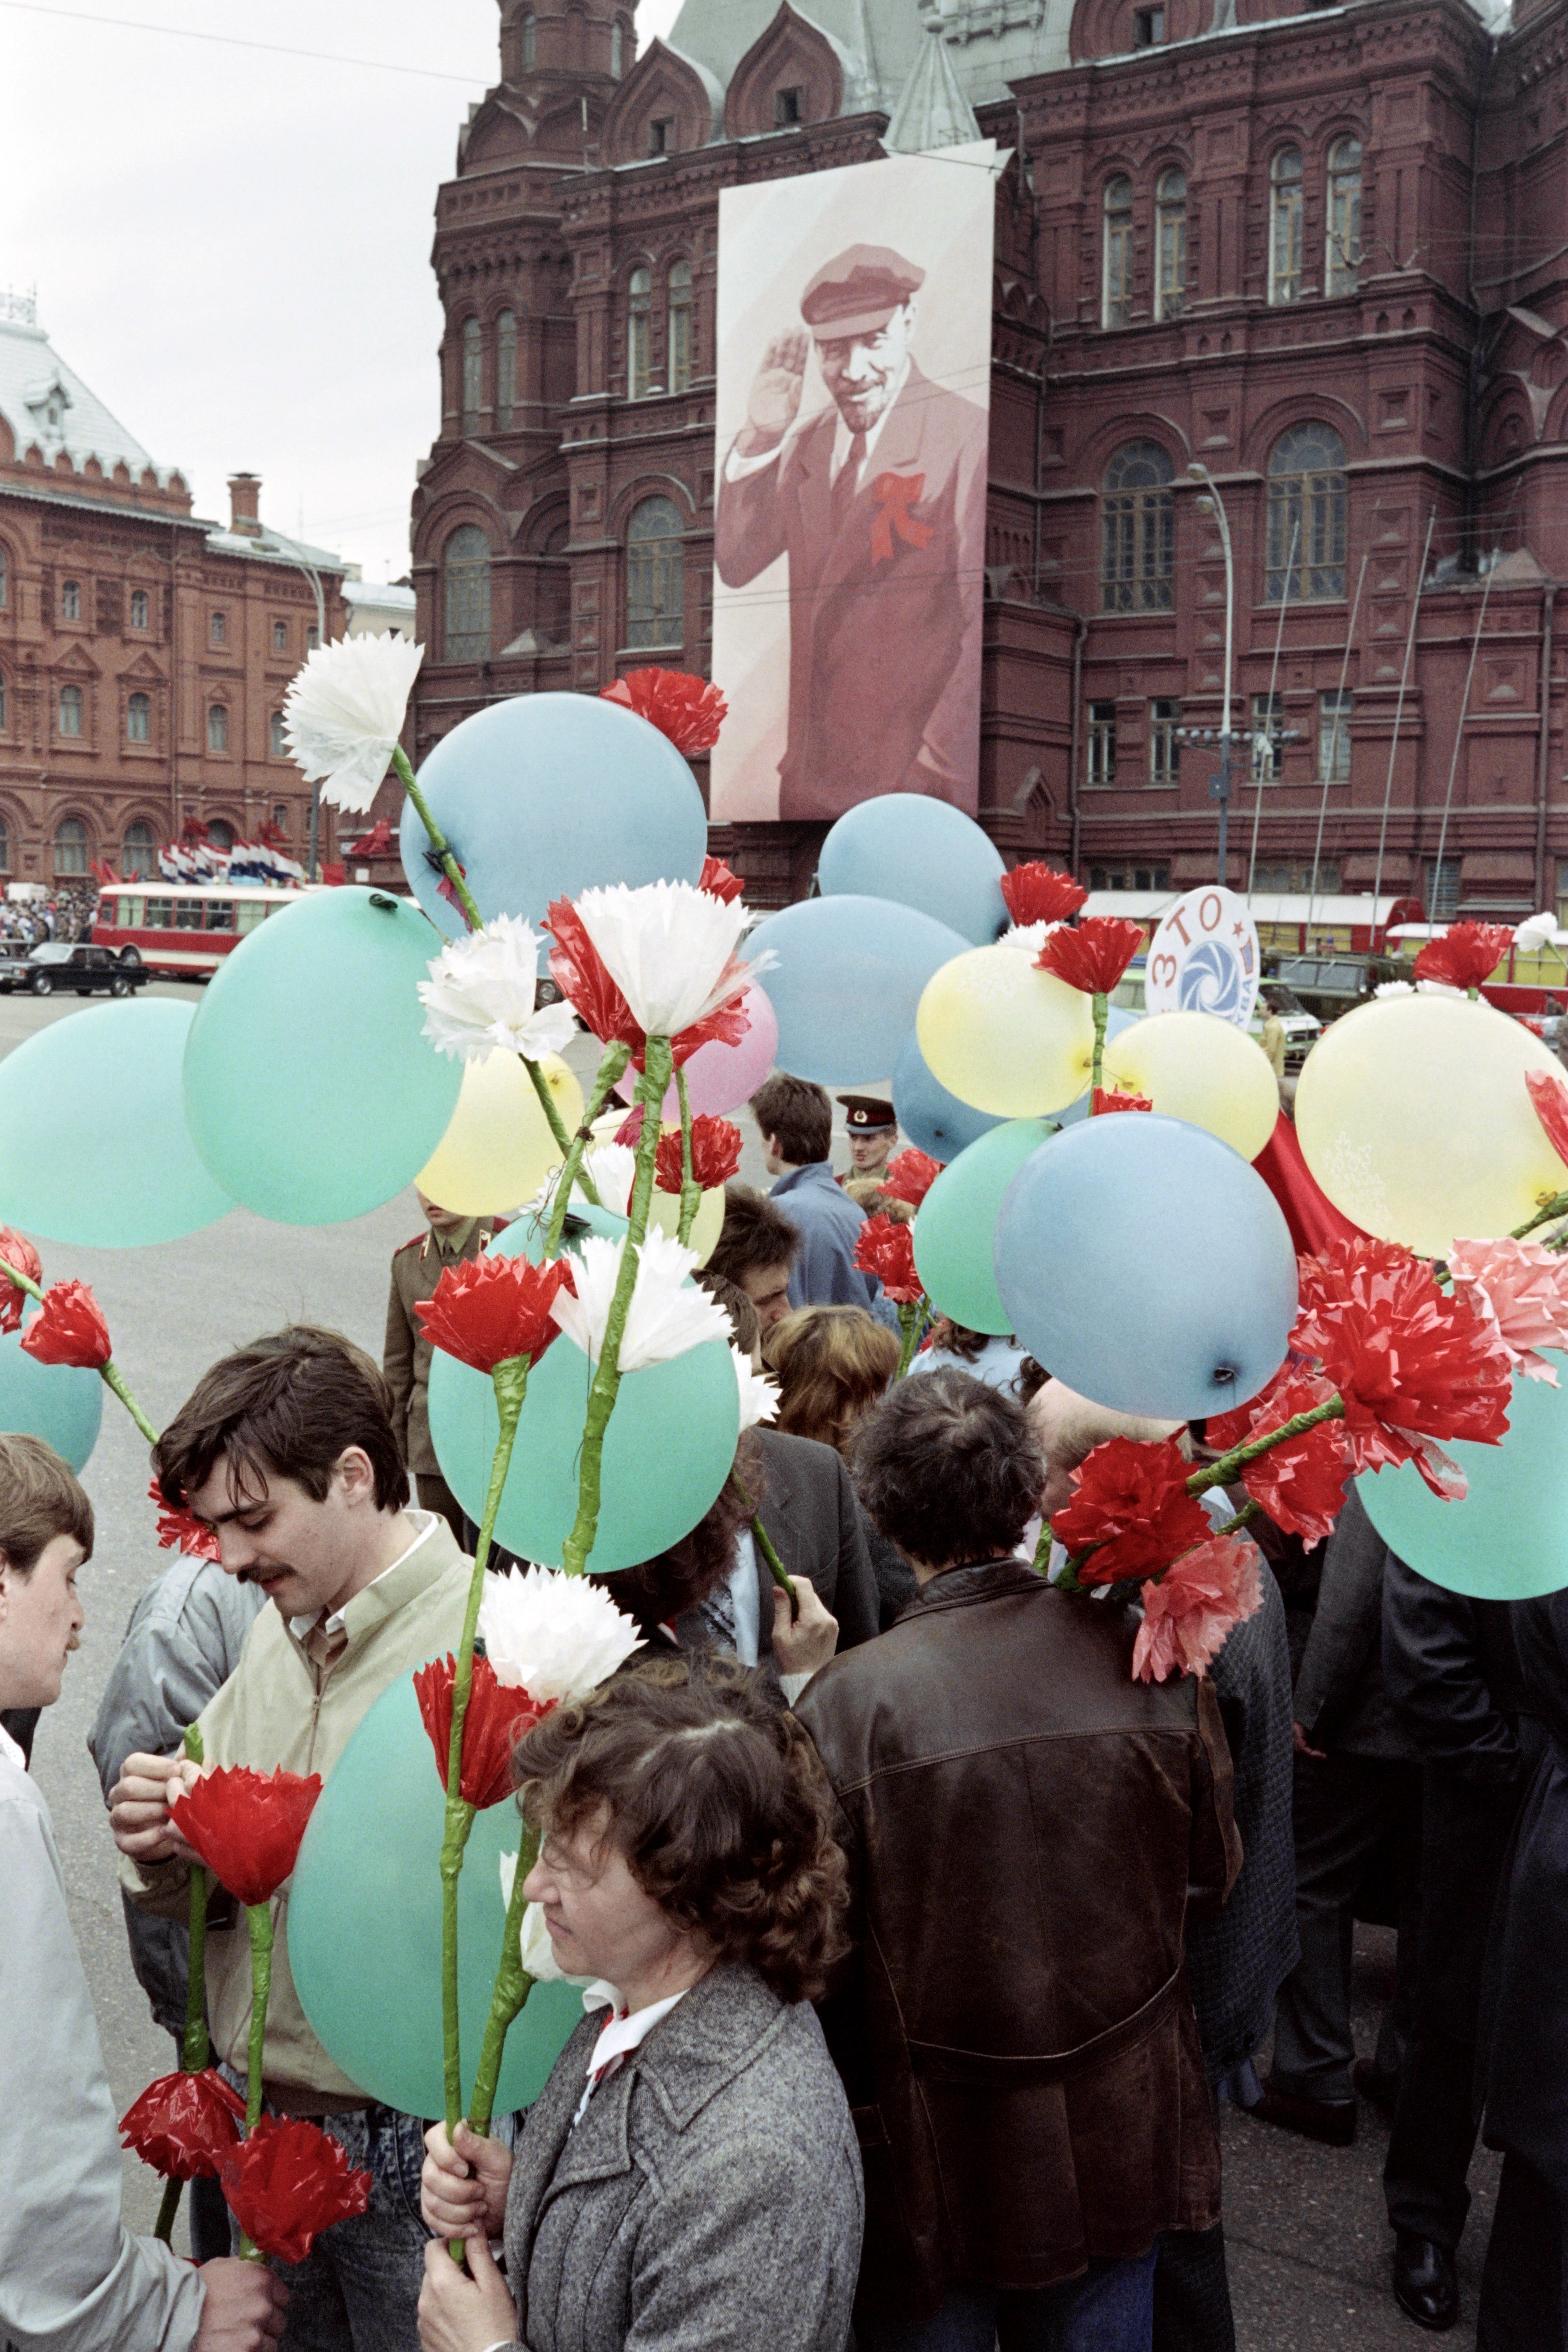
864	1112
858	293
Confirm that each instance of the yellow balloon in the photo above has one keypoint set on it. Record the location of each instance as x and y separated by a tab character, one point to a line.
1013	1041
1414	1116
1197	1067
498	1149
666	1214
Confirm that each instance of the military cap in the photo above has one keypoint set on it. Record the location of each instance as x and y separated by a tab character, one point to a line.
858	293
865	1113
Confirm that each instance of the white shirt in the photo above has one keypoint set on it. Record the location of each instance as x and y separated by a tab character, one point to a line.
10	1752
620	2037
746	1595
300	1626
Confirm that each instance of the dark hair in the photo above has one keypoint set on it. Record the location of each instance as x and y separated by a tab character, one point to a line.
797	1115
951	1339
736	1303
948	1469
664	1588
40	1498
719	1804
284	1407
833	1363
755	1237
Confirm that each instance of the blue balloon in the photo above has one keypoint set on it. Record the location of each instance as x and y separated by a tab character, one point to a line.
547	795
1116	1019
847	983
921	853
1144	1263
57	1403
935	1122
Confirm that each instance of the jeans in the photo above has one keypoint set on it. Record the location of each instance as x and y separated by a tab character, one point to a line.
1109	2309
1192	2293
359	2284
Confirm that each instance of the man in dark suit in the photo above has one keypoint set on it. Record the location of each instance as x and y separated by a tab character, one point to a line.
880	503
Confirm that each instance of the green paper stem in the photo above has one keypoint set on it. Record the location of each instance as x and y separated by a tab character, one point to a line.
113	1377
196	2050
1102	1003
691	1191
258	1919
1221	1473
612	1068
512	1986
438	841
1556	1207
548	1105
165	2226
657	1070
764	1543
1042	1560
912	1323
22	1281
1249	1511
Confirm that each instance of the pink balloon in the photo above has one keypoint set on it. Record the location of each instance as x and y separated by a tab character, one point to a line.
721	1077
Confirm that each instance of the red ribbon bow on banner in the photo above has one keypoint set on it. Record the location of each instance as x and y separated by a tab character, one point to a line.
895	494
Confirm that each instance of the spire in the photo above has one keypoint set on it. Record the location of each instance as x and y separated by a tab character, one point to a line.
932	110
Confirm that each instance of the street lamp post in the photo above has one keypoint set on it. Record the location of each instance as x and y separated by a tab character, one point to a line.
1219	786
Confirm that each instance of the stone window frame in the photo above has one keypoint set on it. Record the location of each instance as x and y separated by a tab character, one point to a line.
138	708
1116	231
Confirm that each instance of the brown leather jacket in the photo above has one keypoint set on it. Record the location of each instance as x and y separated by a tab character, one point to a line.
1023	1823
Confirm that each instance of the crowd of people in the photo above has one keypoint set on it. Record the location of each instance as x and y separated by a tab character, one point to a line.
921	1943
67	913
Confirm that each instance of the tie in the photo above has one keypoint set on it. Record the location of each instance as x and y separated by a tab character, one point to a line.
324	1649
848	482
718	1614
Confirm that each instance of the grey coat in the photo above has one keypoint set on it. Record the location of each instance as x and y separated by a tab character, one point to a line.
710	2199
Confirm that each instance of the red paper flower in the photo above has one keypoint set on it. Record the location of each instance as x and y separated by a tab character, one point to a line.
1301	1484
496	1719
1410	1362
886	1249
686	709
1107	1098
578	970
910	1176
16	1250
182	1531
69	1328
715	1153
718	882
287	2183
1468	954
1549	1093
1038	894
1131	1502
247	1827
1094	956
489	1310
1189	1616
185	2125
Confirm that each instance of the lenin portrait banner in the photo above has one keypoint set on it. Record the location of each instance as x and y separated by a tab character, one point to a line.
849	494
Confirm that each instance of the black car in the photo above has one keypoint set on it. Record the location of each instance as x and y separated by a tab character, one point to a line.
57	966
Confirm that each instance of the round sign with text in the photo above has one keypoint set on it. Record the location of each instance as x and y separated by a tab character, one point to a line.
1202	958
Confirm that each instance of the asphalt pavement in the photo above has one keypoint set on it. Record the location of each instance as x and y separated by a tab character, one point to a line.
1307	2240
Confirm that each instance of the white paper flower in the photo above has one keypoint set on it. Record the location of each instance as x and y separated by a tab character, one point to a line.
670	949
1540	932
344	711
667	1316
1394	987
1032	937
1438	988
758	1397
554	1635
610	1169
480	997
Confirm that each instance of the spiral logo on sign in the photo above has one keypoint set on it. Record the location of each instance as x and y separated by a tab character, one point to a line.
1213	981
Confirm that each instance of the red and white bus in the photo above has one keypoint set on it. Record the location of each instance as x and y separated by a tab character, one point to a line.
182	929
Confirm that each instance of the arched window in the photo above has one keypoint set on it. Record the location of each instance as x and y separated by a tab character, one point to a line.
1118	297
70	600
506	369
1285	211
680	325
473	374
467	564
1138	530
1307	505
655	582
530	43
137	853
619	48
220	833
1170	244
1342	272
217	727
639	335
70	847
139	608
277	742
70	710
139	719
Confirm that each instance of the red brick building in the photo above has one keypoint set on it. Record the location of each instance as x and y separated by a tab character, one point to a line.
1316	255
144	653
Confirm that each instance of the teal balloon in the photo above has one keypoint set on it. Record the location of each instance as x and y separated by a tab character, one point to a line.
670	1446
310	1090
1508	1540
921	852
847	983
527	1233
364	1926
933	1120
957	1223
57	1403
545	796
94	1148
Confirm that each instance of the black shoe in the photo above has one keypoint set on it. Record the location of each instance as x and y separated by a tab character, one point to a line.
1424	2285
1382	2089
1332	2121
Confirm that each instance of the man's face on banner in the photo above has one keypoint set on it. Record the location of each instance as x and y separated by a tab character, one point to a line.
862	371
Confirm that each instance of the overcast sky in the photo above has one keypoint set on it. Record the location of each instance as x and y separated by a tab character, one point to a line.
232	248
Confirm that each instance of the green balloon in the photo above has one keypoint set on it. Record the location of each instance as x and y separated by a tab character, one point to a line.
364	1926
61	1403
94	1148
957	1223
310	1090
1508	1540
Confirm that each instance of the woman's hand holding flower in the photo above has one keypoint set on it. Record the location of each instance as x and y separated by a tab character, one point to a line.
462	2189
464	2313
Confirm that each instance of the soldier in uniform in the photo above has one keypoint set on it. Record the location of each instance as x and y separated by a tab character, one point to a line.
872	1126
416	1268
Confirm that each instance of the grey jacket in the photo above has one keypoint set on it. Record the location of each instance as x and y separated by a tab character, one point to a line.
1341	1702
710	2199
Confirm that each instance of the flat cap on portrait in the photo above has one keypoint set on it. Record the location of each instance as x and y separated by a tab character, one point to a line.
857	292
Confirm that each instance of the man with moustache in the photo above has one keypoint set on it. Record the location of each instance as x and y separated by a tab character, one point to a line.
288	1450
